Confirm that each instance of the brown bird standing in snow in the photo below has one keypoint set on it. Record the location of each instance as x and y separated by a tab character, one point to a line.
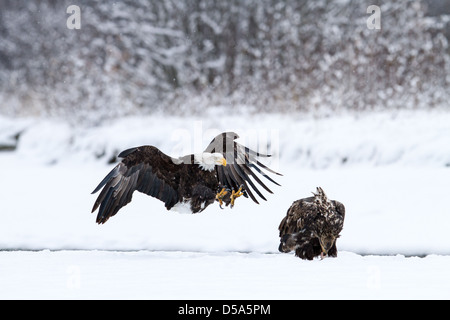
311	226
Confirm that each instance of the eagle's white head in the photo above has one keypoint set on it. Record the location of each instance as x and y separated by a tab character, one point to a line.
207	161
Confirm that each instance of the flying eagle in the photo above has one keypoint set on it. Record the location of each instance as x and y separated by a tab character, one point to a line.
192	182
311	226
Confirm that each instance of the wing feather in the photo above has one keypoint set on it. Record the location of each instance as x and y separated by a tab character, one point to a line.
242	173
251	173
241	161
251	165
241	181
145	169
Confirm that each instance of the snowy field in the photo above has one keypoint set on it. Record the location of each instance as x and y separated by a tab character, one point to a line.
391	172
218	275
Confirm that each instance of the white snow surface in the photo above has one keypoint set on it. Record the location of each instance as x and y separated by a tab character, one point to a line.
391	172
218	275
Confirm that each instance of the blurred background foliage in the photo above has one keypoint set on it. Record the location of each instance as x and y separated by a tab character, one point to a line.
144	56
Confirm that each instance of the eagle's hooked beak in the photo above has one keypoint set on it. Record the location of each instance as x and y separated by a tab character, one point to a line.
224	162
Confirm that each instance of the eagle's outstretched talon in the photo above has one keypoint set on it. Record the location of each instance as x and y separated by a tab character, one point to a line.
234	195
220	195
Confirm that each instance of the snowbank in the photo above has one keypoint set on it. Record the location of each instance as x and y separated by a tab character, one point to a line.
405	138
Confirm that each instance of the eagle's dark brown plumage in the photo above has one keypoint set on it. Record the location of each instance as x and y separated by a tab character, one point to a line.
311	226
193	182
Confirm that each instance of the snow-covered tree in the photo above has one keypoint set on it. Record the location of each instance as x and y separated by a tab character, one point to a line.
134	56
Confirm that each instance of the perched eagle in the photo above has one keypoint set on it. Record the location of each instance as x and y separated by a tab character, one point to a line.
193	182
311	226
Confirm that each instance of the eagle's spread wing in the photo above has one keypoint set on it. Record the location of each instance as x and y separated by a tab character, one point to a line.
241	164
145	169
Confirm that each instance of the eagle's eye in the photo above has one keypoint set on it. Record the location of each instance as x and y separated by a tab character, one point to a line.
219	159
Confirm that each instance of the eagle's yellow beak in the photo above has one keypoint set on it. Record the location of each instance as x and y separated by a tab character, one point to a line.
224	162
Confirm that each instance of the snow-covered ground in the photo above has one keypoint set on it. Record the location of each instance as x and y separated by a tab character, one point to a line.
218	275
391	172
